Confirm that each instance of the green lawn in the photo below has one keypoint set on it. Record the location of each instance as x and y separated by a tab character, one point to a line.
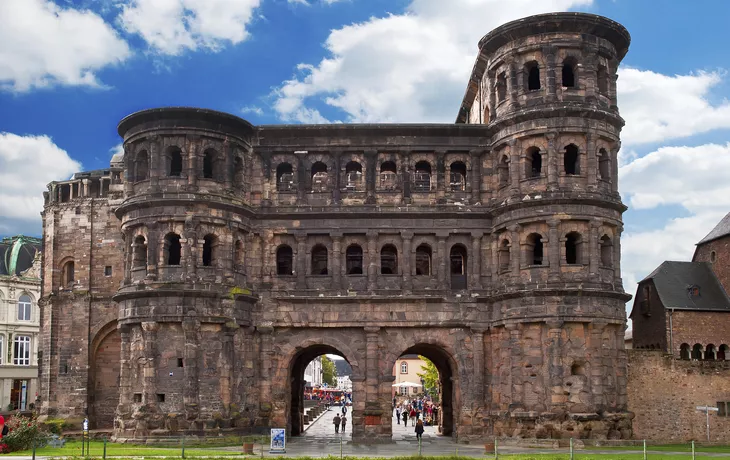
668	448
96	448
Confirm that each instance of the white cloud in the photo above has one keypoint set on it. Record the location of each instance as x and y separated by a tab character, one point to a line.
298	2
411	67
173	26
660	107
252	109
27	165
42	44
689	177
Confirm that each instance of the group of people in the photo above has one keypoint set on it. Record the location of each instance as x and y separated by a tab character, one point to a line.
421	412
340	421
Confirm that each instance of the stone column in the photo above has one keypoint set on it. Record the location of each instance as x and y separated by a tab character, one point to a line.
477	336
407	237
373	408
226	362
191	392
475	280
336	193
552	161
512	85
486	250
372	259
551	80
265	333
442	178
301	261
515	250
229	150
553	249
491	79
149	383
336	259
597	379
263	271
591	168
593	254
441	255
193	150
514	167
614	167
125	384
617	255
153	250
128	255
371	167
155	162
303	179
495	257
475	192
128	175
554	369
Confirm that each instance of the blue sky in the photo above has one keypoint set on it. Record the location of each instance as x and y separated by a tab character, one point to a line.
71	69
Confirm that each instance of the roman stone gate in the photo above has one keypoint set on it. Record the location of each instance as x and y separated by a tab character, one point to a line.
237	253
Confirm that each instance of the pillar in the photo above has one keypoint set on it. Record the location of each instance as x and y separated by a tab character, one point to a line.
441	256
593	253
515	250
300	262
477	335
373	409
475	276
265	403
192	151
551	80
554	371
552	161
149	382
372	259
617	255
155	162
491	79
336	259
125	385
553	249
407	237
191	329
591	163
512	85
228	152
475	192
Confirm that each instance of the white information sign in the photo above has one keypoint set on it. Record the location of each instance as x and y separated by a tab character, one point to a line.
278	440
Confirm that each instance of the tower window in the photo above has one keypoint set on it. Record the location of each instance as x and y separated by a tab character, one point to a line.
284	261
536	253
176	162
422	178
572	248
388	176
533	76
353	260
141	166
503	171
209	247
284	177
353	173
68	275
604	165
388	260
501	87
238	171
606	251
319	260
319	177
173	249
139	252
423	260
569	73
533	164
504	256
209	160
571	161
458	176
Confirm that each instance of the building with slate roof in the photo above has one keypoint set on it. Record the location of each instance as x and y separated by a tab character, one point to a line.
20	285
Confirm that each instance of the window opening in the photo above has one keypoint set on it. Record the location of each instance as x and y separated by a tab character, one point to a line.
176	162
568	73
388	260
142	166
319	177
684	352
533	76
570	160
284	177
353	173
139	252
422	178
458	176
423	260
697	351
693	291
68	275
710	353
353	260
138	397
319	260
458	267
713	256
533	165
173	249
208	164
572	241
503	170
606	251
723	353
208	250
284	261
577	369
21	351
535	241
501	87
404	367
108	270
24	306
504	256
238	252
180	362
160	397
604	165
603	80
388	176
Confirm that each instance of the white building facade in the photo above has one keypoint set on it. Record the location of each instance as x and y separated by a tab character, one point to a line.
344	383
313	372
20	287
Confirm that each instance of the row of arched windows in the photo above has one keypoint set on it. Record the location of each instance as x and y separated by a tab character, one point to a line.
534	253
212	167
172	251
707	353
354	178
571	164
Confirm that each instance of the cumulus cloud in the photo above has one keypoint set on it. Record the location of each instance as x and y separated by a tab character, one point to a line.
43	44
27	165
660	107
687	177
252	109
411	67
173	26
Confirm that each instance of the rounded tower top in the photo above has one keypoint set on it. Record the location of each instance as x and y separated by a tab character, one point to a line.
183	118
582	23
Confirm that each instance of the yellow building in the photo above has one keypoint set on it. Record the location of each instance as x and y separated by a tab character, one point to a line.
406	370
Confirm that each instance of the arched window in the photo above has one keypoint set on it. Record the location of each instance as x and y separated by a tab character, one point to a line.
504	256
284	177
319	177
353	260
503	170
458	267
422	177
532	71
604	165
501	87
68	275
139	252
284	261
533	163
606	251
458	176
723	353
403	367
602	77
697	351
389	260
210	159
173	249
141	166
535	249
684	352
238	171
710	352
423	260
353	173
388	176
319	260
176	162
210	244
238	252
571	160
24	307
569	65
572	248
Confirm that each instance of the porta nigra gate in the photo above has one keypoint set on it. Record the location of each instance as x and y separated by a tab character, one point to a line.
187	287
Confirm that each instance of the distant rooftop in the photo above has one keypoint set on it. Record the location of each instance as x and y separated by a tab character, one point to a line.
674	280
720	230
17	254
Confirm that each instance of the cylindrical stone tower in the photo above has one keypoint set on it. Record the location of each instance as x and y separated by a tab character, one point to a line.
548	93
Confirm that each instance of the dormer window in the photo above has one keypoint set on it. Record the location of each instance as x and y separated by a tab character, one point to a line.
693	291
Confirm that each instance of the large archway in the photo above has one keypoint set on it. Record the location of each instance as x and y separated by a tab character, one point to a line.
301	386
445	395
105	364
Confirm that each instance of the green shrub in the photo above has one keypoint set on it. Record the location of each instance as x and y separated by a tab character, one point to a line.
23	432
56	425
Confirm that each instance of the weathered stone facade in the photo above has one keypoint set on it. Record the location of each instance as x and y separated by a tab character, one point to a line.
241	252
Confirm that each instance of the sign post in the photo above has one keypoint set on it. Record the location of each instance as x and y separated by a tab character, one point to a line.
707	410
278	441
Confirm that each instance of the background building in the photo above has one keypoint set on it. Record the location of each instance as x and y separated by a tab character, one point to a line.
20	286
406	370
313	372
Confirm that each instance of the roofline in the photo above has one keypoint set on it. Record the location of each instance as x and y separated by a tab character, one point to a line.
160	113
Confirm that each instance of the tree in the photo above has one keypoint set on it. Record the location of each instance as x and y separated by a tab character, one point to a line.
329	371
430	377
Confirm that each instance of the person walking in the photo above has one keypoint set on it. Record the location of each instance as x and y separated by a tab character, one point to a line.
344	409
413	416
405	416
344	423
397	414
419	429
337	420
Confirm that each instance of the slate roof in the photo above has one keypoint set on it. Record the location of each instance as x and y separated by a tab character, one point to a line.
17	254
672	281
343	367
720	230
